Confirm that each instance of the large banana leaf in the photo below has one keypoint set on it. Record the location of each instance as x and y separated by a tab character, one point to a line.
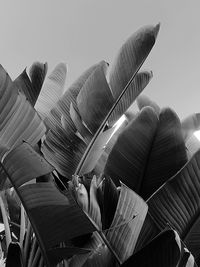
55	216
18	120
130	56
148	232
59	119
127	223
177	203
164	250
150	150
62	147
125	219
127	63
32	86
92	93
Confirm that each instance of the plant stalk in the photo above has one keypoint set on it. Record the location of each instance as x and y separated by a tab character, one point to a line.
27	242
22	227
5	221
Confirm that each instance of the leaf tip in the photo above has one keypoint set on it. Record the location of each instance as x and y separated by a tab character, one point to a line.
156	30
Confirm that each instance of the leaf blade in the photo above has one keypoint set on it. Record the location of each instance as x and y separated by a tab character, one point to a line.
130	214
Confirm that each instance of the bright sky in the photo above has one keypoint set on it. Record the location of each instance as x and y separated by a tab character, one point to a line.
83	32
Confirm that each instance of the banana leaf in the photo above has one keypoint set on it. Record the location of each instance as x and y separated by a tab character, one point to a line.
95	99
99	255
37	74
138	84
59	116
63	147
18	120
123	71
163	250
130	58
52	90
23	83
127	222
54	216
31	86
177	203
150	150
109	198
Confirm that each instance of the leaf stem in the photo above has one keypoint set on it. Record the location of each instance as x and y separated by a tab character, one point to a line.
5	221
33	251
22	227
36	257
27	242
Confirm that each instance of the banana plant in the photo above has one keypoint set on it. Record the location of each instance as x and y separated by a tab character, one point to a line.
73	217
70	126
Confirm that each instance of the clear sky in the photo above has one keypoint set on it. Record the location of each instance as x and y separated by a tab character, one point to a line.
83	32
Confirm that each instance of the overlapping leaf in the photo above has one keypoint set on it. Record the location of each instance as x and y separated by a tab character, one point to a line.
81	128
178	203
144	101
109	201
97	150
92	99
18	119
148	232
139	149
95	99
63	106
168	153
62	152
37	74
94	209
164	250
62	147
52	90
140	81
127	63
127	223
131	149
99	255
49	210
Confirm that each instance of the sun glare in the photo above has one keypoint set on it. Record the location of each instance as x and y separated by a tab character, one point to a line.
197	135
